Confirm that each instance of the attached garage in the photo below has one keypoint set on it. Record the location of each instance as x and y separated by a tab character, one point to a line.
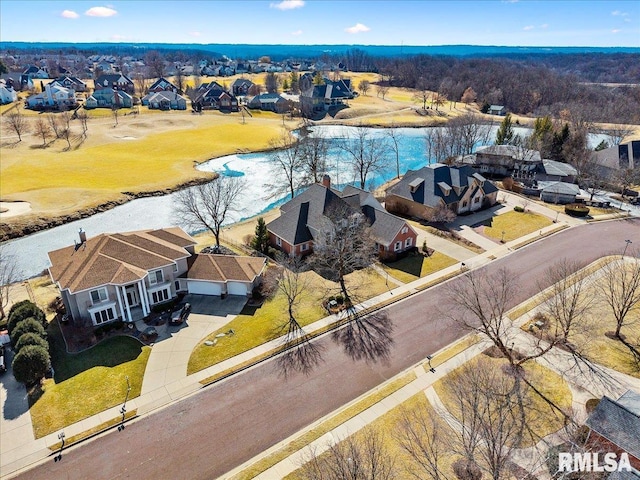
237	288
211	274
200	287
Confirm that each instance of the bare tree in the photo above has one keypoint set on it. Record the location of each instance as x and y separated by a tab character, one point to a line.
55	124
209	205
82	115
394	137
314	149
287	161
155	63
65	133
438	100
382	90
141	84
366	153
625	178
618	133
18	123
619	288
364	86
362	456
42	129
197	80
9	275
422	435
271	83
178	78
469	96
442	214
298	352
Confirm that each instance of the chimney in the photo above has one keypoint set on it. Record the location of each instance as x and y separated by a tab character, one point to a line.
326	181
83	236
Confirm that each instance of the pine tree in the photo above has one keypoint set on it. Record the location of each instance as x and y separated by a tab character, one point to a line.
261	240
505	135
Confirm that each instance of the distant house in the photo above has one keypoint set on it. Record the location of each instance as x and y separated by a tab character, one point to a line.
271	102
115	81
7	94
53	97
14	80
71	82
164	100
33	71
123	275
241	86
497	110
558	192
109	98
331	94
421	192
615	426
212	96
163	85
302	217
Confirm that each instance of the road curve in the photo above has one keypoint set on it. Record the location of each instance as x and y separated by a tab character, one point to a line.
210	433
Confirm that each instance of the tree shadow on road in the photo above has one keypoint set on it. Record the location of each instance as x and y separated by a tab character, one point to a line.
366	337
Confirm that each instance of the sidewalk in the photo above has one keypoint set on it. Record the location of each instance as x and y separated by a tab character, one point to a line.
165	380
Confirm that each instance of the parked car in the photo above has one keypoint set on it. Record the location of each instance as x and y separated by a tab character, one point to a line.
180	316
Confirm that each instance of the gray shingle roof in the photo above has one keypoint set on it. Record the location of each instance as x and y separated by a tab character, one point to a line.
304	214
561	188
432	191
551	167
617	423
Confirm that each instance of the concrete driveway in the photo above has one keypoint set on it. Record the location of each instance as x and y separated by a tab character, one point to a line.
170	354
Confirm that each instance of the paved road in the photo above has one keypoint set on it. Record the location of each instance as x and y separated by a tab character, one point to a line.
217	429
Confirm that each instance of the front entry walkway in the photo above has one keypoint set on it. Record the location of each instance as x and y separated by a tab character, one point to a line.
170	354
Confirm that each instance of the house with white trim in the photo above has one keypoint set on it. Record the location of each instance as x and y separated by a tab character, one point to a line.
124	275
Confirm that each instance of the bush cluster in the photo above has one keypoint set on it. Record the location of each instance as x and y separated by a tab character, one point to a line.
108	327
576	209
519	209
27	325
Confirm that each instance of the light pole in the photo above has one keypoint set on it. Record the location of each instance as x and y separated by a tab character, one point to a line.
431	369
627	243
123	409
61	437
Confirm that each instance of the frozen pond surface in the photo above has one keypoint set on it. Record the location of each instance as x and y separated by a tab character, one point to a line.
157	212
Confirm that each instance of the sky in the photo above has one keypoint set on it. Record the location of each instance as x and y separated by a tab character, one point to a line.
593	23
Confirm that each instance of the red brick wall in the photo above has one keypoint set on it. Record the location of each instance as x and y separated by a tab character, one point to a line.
602	444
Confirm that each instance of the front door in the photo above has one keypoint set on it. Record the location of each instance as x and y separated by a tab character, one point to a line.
133	299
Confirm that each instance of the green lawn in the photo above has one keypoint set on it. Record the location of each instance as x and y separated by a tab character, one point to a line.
415	266
255	326
87	383
514	225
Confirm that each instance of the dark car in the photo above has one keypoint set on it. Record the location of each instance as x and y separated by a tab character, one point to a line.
180	316
3	367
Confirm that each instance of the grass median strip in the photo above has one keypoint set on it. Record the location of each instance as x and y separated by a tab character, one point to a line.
325	427
92	431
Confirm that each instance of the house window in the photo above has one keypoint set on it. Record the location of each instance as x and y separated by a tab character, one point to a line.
304	247
160	296
175	267
464	204
102	316
397	246
177	285
278	241
404	230
155	277
408	242
99	295
476	200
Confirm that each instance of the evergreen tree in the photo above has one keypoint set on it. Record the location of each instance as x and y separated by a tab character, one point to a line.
30	364
505	135
261	240
294	82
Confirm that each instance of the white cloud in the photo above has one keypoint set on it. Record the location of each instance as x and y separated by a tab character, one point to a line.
100	12
616	30
618	13
357	28
69	14
287	4
544	25
529	27
118	38
297	32
195	34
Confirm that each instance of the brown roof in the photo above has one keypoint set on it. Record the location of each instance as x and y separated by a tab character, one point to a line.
117	258
224	268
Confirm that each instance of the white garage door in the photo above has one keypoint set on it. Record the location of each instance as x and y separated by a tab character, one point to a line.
204	288
237	288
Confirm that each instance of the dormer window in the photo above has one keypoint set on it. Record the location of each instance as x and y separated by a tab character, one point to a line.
155	277
445	188
415	184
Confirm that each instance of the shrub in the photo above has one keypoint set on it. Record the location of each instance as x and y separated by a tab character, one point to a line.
518	208
466	470
30	364
339	299
22	310
576	210
25	326
30	338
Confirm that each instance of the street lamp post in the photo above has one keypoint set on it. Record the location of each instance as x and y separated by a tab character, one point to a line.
61	437
123	409
431	369
627	243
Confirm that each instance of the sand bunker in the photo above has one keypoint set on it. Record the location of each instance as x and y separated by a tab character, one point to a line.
13	209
